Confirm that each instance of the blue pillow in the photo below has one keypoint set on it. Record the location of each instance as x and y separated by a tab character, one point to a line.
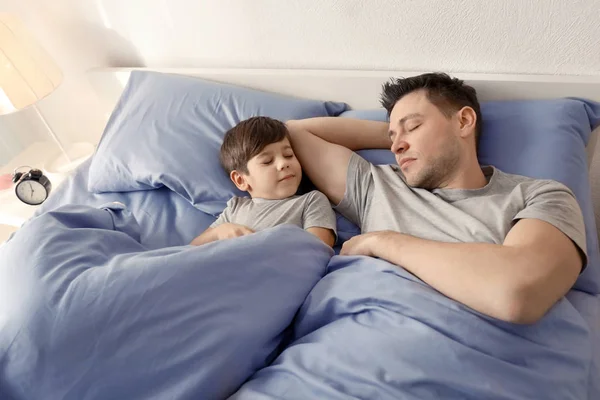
168	129
543	139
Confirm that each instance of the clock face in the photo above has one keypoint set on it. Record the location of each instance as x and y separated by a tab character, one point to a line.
31	192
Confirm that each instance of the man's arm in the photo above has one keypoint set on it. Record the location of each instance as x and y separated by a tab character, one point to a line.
324	146
518	281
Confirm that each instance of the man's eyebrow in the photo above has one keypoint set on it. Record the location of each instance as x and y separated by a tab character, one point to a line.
409	116
404	119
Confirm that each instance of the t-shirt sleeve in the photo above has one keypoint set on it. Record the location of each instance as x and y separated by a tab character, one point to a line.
555	204
359	183
226	215
318	212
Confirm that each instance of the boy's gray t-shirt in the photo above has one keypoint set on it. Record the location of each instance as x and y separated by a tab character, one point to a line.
311	210
377	198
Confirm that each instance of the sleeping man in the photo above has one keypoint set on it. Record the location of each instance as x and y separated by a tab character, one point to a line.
505	245
259	159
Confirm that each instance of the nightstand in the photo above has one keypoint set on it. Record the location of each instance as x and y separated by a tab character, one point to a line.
13	212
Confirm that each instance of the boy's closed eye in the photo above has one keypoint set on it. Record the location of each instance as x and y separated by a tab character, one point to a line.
269	160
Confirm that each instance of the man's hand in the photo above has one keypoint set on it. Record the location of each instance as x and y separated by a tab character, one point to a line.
517	281
221	232
361	245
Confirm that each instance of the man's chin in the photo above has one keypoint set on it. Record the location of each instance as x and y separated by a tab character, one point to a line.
414	182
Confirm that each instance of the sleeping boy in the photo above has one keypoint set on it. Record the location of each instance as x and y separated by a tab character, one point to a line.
259	159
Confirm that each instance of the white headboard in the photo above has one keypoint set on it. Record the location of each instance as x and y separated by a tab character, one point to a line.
360	89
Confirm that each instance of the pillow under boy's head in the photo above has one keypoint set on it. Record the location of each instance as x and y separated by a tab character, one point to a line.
167	130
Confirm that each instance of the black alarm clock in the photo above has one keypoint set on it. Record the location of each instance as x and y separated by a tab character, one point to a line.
32	187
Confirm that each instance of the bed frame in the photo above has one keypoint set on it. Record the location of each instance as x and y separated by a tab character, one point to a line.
360	89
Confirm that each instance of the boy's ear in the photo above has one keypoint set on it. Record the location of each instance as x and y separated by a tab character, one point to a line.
239	180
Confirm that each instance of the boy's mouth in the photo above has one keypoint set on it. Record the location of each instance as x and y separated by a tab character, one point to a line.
287	177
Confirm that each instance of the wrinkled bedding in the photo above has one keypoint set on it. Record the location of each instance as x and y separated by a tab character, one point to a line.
370	330
88	312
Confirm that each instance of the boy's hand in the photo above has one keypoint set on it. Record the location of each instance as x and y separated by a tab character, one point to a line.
229	231
223	231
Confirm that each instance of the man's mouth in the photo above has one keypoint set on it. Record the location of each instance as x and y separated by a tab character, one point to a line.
405	162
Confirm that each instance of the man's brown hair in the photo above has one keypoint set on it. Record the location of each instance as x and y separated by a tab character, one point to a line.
247	139
446	93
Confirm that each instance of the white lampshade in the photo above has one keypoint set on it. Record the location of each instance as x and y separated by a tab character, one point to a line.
27	72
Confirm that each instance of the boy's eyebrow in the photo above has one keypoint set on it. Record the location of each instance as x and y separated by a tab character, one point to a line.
264	153
269	152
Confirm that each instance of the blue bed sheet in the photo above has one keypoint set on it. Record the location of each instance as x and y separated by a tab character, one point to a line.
370	330
165	218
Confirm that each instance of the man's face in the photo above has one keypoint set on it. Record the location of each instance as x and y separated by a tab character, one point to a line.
274	173
425	141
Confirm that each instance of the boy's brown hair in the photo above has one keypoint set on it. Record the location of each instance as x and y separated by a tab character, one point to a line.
247	139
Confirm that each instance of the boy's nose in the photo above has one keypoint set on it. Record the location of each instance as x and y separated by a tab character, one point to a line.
283	164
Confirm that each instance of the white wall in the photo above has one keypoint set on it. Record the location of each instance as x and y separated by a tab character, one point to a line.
519	36
508	36
495	36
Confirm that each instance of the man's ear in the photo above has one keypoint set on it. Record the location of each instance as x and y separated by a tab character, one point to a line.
467	119
239	180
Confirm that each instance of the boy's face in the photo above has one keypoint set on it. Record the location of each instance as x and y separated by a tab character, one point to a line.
274	173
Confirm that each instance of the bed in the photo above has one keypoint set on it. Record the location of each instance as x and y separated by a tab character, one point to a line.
102	298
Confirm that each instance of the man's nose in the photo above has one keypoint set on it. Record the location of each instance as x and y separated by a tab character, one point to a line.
399	146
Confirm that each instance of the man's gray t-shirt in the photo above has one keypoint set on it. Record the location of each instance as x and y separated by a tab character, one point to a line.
311	210
377	198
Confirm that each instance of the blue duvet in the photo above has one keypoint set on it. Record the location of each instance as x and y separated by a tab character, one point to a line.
370	330
89	312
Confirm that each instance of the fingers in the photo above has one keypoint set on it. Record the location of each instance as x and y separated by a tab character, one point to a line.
242	231
246	231
238	231
344	250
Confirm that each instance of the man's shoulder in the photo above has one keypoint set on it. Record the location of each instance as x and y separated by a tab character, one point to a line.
361	163
508	182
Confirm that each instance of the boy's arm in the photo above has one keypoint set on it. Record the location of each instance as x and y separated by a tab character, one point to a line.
222	228
324	147
209	235
326	235
318	217
221	232
205	237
